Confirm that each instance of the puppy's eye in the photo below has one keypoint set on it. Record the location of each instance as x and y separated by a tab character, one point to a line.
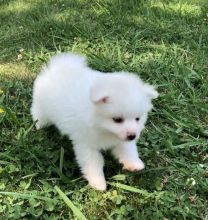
137	119
118	120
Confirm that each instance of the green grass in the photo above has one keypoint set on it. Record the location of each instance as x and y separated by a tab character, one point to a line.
166	43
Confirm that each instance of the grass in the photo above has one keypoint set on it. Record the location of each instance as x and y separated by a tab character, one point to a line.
166	43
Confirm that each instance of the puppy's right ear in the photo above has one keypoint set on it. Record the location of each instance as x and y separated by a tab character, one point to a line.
98	95
151	91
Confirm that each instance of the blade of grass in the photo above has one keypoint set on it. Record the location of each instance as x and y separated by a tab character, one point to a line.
69	203
64	178
131	189
28	130
26	196
11	114
119	177
61	159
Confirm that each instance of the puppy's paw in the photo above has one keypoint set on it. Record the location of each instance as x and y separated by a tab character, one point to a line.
38	126
98	183
134	165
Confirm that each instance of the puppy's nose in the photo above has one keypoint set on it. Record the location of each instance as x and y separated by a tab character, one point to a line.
131	137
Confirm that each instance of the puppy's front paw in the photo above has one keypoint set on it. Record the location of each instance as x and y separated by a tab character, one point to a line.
98	183
134	165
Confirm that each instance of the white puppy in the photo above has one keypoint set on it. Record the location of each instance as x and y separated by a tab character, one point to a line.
96	110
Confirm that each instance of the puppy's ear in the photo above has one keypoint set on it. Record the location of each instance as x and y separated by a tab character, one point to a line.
102	100
150	91
98	95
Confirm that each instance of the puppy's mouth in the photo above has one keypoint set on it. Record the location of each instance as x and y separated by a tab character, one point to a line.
131	137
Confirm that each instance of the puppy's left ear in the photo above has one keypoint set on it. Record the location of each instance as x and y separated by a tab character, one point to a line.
151	91
98	95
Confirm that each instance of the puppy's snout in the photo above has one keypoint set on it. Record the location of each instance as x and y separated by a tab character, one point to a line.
131	136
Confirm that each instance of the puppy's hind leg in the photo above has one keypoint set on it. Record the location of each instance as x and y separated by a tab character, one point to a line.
41	123
39	117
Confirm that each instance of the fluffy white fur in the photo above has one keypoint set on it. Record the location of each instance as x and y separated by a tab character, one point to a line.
96	110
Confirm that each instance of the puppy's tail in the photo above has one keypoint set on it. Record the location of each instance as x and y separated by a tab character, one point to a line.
65	62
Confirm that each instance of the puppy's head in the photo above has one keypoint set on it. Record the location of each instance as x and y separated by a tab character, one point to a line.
122	102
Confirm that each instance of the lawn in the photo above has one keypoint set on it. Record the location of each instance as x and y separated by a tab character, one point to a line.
166	43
